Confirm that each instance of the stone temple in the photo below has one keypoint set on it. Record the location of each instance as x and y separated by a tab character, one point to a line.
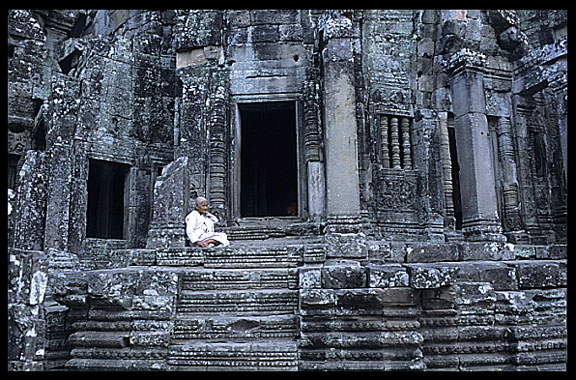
393	184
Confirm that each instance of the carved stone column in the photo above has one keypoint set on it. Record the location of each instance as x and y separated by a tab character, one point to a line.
406	156
395	143
384	134
342	182
480	221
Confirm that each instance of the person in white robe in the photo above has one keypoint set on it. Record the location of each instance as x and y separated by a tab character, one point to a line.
200	227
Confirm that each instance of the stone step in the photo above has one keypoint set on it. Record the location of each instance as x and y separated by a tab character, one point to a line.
222	279
263	228
277	355
244	255
213	327
262	257
251	302
116	363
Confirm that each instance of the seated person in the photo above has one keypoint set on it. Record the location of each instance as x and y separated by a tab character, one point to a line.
200	227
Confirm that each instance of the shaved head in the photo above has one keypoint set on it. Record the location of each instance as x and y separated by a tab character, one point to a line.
200	200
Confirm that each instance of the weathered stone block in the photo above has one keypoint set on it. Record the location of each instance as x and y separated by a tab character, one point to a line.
357	300
346	245
309	278
442	298
339	274
431	252
386	276
274	16
171	195
474	297
112	287
425	276
32	199
317	298
557	251
536	274
116	339
265	33
500	275
149	338
487	251
400	296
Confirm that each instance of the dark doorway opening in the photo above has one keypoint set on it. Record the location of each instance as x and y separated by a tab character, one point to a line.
269	170
456	197
106	192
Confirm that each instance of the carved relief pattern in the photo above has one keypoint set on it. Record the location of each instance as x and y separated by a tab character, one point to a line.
398	191
18	143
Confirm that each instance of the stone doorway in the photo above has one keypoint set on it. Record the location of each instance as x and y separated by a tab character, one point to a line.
269	159
106	199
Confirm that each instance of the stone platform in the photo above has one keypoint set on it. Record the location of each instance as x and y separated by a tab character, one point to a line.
340	302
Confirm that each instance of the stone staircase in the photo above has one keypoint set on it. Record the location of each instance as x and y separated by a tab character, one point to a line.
232	308
239	311
291	303
241	319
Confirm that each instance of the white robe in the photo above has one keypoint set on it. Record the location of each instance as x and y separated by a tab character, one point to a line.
201	228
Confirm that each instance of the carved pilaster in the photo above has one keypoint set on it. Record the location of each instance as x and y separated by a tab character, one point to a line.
311	121
312	148
446	171
340	121
217	128
511	218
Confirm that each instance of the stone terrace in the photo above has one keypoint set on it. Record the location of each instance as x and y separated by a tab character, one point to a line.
319	303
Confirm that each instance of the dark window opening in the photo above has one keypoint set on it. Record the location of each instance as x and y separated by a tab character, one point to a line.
456	197
269	175
70	61
12	170
105	214
539	154
79	26
39	136
494	152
